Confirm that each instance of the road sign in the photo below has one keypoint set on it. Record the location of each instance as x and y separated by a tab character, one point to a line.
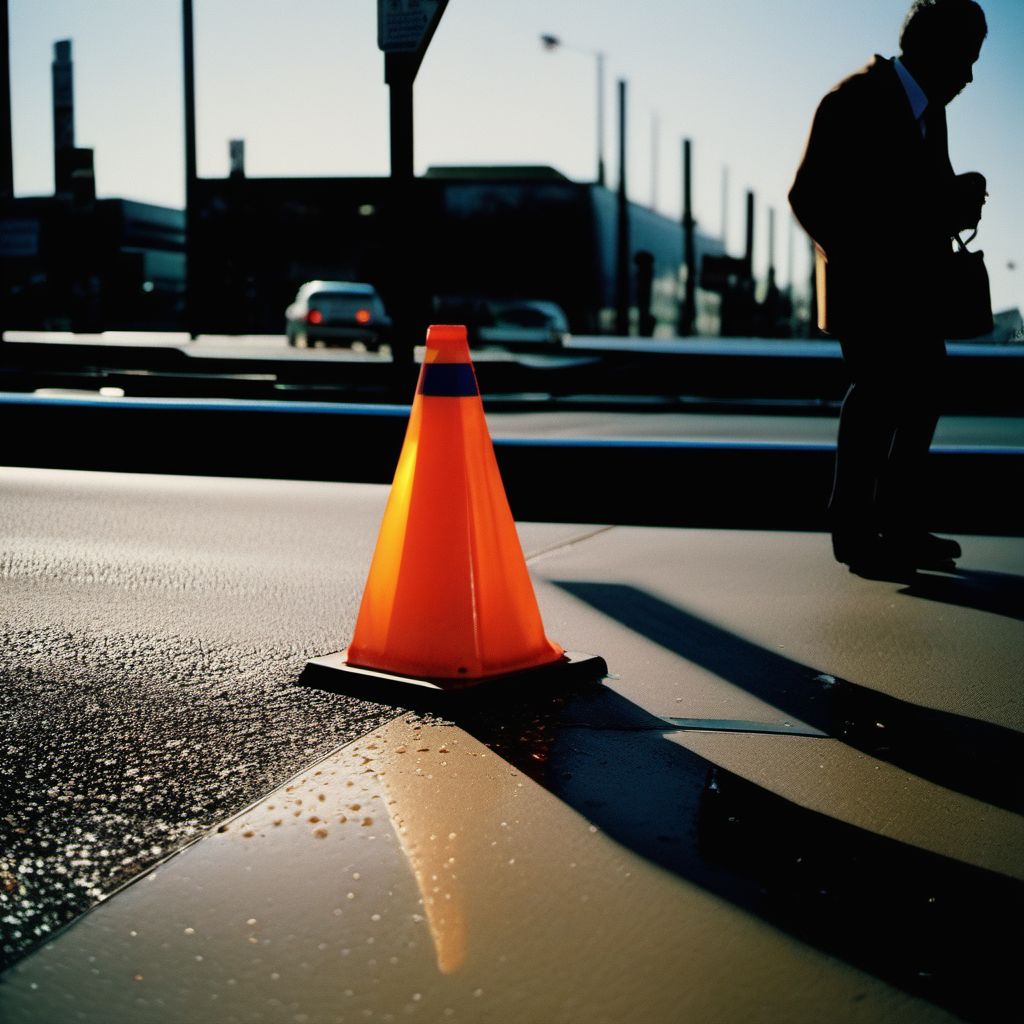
405	26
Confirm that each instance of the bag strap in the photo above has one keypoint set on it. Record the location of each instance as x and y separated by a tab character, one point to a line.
970	238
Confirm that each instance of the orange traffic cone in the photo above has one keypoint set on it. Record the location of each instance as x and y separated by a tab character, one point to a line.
449	601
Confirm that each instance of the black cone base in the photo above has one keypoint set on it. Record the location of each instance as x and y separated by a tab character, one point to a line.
332	672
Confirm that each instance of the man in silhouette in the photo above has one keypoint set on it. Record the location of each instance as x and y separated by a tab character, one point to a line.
877	193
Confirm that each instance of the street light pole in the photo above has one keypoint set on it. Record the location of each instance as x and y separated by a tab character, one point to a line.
191	218
622	231
687	312
655	129
6	151
600	119
553	43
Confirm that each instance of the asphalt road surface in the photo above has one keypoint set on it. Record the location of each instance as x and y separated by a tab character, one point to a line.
147	674
832	821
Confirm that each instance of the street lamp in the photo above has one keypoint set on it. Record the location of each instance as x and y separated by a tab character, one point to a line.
550	42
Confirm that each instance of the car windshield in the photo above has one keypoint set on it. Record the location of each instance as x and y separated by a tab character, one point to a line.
340	298
351	292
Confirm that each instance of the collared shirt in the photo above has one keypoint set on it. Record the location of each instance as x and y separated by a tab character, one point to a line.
915	94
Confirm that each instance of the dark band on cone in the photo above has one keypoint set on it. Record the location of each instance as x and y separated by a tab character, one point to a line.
448	380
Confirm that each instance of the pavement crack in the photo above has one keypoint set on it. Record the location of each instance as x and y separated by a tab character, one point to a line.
563	544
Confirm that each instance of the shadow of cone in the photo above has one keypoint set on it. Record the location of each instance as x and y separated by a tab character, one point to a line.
449	601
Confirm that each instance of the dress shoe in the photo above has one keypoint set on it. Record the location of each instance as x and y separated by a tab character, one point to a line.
854	545
883	565
881	561
925	550
872	556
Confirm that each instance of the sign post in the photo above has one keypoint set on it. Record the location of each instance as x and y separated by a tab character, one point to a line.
404	31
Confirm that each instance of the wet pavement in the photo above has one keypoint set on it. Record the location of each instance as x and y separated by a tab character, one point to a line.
149	640
152	631
797	797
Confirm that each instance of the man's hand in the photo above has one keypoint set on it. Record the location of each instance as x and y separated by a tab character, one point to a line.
969	192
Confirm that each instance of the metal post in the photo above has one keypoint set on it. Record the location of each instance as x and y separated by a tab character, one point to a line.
400	73
748	252
63	116
687	312
771	308
622	234
408	294
6	148
725	208
747	304
654	160
600	120
190	168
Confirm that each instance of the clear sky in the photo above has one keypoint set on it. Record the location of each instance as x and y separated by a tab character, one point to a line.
302	82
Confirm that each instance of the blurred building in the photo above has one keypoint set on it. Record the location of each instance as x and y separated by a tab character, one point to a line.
111	264
467	233
457	238
72	262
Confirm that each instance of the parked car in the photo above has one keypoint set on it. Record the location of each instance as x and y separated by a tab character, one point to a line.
532	314
505	322
337	312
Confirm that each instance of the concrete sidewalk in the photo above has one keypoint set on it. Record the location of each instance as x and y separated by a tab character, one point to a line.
797	797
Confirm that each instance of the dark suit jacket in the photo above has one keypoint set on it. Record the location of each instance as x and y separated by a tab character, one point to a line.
880	203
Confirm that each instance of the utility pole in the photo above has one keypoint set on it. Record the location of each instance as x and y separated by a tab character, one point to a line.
748	251
188	43
747	299
550	42
62	78
654	160
600	120
6	148
687	311
771	308
622	233
725	208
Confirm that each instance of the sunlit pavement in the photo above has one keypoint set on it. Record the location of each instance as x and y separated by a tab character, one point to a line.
828	830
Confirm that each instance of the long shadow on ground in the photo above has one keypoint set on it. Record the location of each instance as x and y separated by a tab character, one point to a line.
940	929
933	926
970	756
999	593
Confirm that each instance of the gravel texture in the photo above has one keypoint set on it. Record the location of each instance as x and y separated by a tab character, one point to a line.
152	630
